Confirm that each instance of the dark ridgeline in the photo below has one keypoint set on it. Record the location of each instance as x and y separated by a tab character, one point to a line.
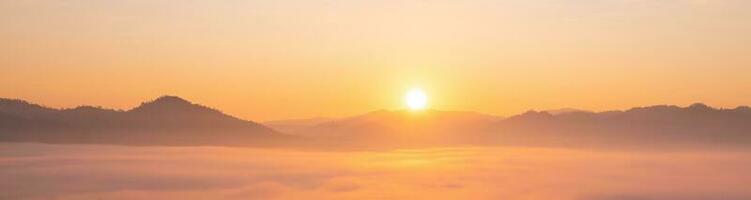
659	126
171	120
167	120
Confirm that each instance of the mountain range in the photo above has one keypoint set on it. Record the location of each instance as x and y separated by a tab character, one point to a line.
167	120
171	120
394	128
660	126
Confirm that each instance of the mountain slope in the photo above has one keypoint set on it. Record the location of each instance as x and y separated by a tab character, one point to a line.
653	126
171	120
168	120
644	127
402	127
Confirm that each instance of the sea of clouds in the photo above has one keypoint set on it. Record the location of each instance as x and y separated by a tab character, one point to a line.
42	171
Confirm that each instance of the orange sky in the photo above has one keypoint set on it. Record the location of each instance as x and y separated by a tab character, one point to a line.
266	60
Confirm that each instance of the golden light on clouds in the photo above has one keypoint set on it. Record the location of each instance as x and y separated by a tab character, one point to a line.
117	172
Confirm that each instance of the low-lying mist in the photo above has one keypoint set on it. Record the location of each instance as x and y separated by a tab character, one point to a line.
42	171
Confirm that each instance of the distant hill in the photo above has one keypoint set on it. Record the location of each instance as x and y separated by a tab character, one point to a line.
170	120
659	126
401	127
167	120
645	127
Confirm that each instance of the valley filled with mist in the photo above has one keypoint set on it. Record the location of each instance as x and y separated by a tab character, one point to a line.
44	171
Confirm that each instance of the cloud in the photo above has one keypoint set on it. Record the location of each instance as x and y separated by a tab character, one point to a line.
107	172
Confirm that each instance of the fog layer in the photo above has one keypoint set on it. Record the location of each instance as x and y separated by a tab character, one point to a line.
40	171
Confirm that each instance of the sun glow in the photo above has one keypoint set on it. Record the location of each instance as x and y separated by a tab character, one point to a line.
416	99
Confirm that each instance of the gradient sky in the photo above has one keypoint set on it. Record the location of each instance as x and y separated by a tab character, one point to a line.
264	60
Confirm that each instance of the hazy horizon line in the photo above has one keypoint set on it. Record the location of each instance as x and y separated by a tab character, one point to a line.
372	110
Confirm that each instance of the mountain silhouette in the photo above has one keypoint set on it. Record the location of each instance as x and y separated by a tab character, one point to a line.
400	128
660	126
654	126
170	120
167	120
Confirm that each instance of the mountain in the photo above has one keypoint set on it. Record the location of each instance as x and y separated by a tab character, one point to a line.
171	120
167	120
401	127
659	126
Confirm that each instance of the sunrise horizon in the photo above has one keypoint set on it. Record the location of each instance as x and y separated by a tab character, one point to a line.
264	60
403	108
375	99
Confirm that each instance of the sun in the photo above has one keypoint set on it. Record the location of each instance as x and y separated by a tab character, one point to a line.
416	99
